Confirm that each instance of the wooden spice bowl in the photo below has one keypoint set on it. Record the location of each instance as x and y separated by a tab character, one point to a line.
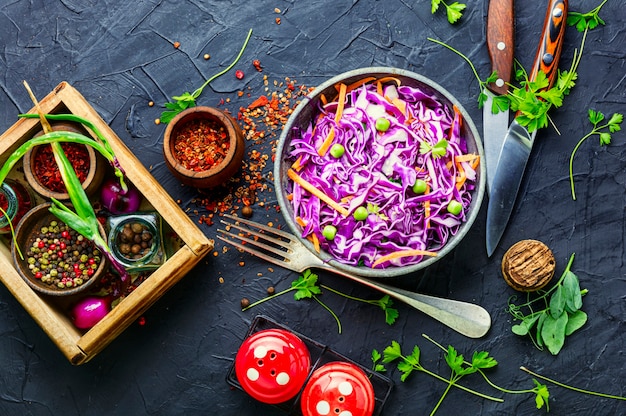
51	312
190	154
94	175
27	230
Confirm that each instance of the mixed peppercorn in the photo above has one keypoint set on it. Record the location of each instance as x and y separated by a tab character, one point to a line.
59	256
134	240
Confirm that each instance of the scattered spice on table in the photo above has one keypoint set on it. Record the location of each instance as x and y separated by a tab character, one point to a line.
47	171
201	145
262	122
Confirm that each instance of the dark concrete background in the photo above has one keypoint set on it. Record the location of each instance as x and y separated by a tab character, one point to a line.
119	55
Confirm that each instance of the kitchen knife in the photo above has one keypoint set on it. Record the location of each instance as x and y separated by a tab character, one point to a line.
500	44
518	141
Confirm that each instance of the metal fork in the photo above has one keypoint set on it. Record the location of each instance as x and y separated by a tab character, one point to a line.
283	249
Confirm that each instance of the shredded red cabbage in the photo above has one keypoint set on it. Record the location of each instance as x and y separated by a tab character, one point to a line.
378	171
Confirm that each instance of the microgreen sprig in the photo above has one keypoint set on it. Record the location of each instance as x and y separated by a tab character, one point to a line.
596	117
187	99
454	11
459	368
306	287
560	316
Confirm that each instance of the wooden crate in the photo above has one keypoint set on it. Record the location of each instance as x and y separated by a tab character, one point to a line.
78	346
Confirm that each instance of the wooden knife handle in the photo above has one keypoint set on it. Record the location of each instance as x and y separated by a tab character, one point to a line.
501	43
550	46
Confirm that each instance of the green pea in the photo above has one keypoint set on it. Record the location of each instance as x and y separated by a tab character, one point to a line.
337	150
382	124
329	232
360	214
455	207
420	186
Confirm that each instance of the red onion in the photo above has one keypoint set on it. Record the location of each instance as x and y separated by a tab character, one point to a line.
89	311
116	200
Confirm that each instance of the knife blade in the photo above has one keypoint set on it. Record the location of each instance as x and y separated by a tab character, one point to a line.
518	141
501	46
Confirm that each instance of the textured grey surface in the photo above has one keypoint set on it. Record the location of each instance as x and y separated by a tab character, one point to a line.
119	55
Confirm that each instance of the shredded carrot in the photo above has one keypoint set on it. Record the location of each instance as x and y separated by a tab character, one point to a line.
315	191
297	165
323	99
427	206
387	79
290	197
400	104
403	253
300	221
358	83
327	142
466	158
316	242
463	177
457	113
341	102
379	87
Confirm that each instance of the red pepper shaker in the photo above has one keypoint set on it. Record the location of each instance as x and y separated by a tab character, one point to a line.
338	389
272	365
16	201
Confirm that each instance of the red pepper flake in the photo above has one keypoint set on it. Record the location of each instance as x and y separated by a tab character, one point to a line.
47	171
239	74
176	45
201	145
259	102
257	65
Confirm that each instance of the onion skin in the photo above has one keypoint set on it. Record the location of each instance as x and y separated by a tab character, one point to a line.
117	201
89	311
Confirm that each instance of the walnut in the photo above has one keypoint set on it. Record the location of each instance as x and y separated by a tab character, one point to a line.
528	265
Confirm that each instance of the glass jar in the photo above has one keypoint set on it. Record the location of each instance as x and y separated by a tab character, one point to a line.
16	201
135	241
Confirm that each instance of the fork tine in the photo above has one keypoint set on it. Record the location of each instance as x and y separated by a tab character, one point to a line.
282	263
284	254
280	233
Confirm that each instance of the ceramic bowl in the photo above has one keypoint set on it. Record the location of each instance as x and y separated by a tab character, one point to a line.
306	114
193	168
95	174
27	230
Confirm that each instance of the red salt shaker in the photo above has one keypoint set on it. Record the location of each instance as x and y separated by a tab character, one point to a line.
272	365
338	388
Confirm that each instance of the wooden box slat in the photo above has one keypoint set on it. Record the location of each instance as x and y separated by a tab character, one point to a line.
77	346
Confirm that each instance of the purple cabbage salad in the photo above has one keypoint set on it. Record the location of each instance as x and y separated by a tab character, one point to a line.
399	168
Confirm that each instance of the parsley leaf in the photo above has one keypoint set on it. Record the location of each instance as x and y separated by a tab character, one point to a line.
437	150
596	117
454	11
306	286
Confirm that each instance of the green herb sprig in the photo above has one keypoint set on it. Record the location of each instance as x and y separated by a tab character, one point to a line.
596	117
559	315
454	11
306	287
459	368
438	149
187	99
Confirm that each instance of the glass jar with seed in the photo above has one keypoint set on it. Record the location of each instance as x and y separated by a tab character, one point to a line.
135	240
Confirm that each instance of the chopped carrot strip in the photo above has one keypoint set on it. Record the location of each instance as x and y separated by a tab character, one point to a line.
404	253
341	102
290	197
316	243
387	79
466	158
474	165
327	142
315	191
400	105
323	99
379	88
301	222
358	83
427	206
297	165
